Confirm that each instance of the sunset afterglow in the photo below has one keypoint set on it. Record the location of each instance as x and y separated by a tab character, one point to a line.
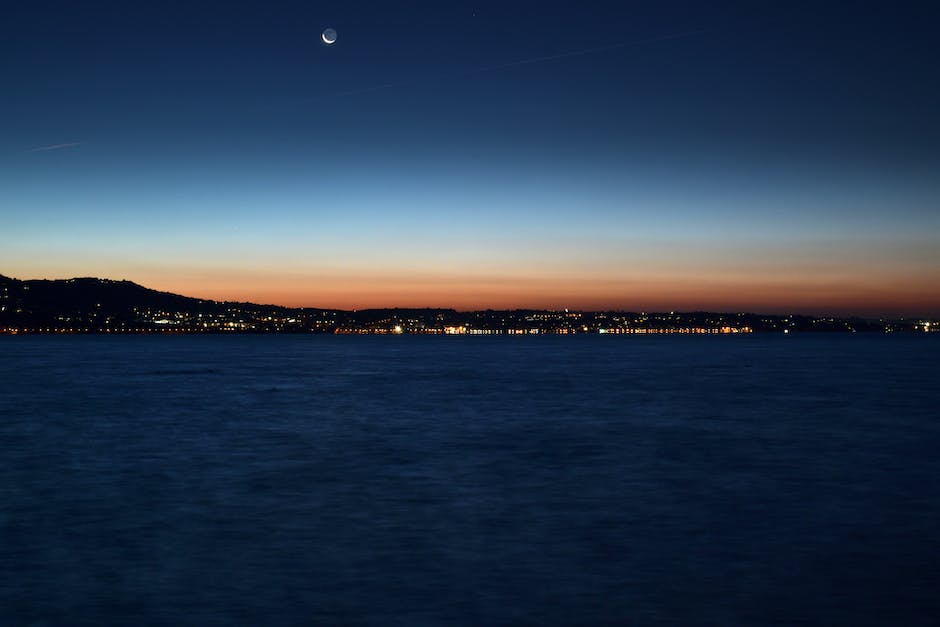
685	165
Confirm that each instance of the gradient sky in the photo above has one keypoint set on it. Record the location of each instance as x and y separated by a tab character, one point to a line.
774	156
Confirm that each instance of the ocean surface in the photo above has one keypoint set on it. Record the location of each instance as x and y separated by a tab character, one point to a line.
589	480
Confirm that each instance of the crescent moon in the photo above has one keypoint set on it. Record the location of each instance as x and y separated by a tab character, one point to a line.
328	36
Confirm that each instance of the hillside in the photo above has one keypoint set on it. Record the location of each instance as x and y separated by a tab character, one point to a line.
95	302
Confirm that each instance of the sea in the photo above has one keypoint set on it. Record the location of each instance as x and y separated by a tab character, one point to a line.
416	480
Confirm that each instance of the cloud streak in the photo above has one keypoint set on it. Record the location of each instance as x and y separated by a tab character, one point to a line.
56	147
586	51
517	63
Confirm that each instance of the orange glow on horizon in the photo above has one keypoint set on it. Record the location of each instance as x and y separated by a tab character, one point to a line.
888	296
889	291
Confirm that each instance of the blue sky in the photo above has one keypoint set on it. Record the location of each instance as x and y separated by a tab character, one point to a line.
781	157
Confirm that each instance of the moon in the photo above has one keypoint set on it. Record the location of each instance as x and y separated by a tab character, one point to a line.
328	36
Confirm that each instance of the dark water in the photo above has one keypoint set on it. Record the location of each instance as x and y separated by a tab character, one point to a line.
282	480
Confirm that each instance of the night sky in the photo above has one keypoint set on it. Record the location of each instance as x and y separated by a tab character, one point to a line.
775	156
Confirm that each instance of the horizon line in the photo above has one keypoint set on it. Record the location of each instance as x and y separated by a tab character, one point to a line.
576	309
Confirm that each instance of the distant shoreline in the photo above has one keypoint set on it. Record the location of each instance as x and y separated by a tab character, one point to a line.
915	331
103	306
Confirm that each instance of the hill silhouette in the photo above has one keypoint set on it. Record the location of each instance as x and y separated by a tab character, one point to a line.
89	300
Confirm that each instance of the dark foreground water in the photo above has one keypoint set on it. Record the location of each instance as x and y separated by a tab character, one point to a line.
286	480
